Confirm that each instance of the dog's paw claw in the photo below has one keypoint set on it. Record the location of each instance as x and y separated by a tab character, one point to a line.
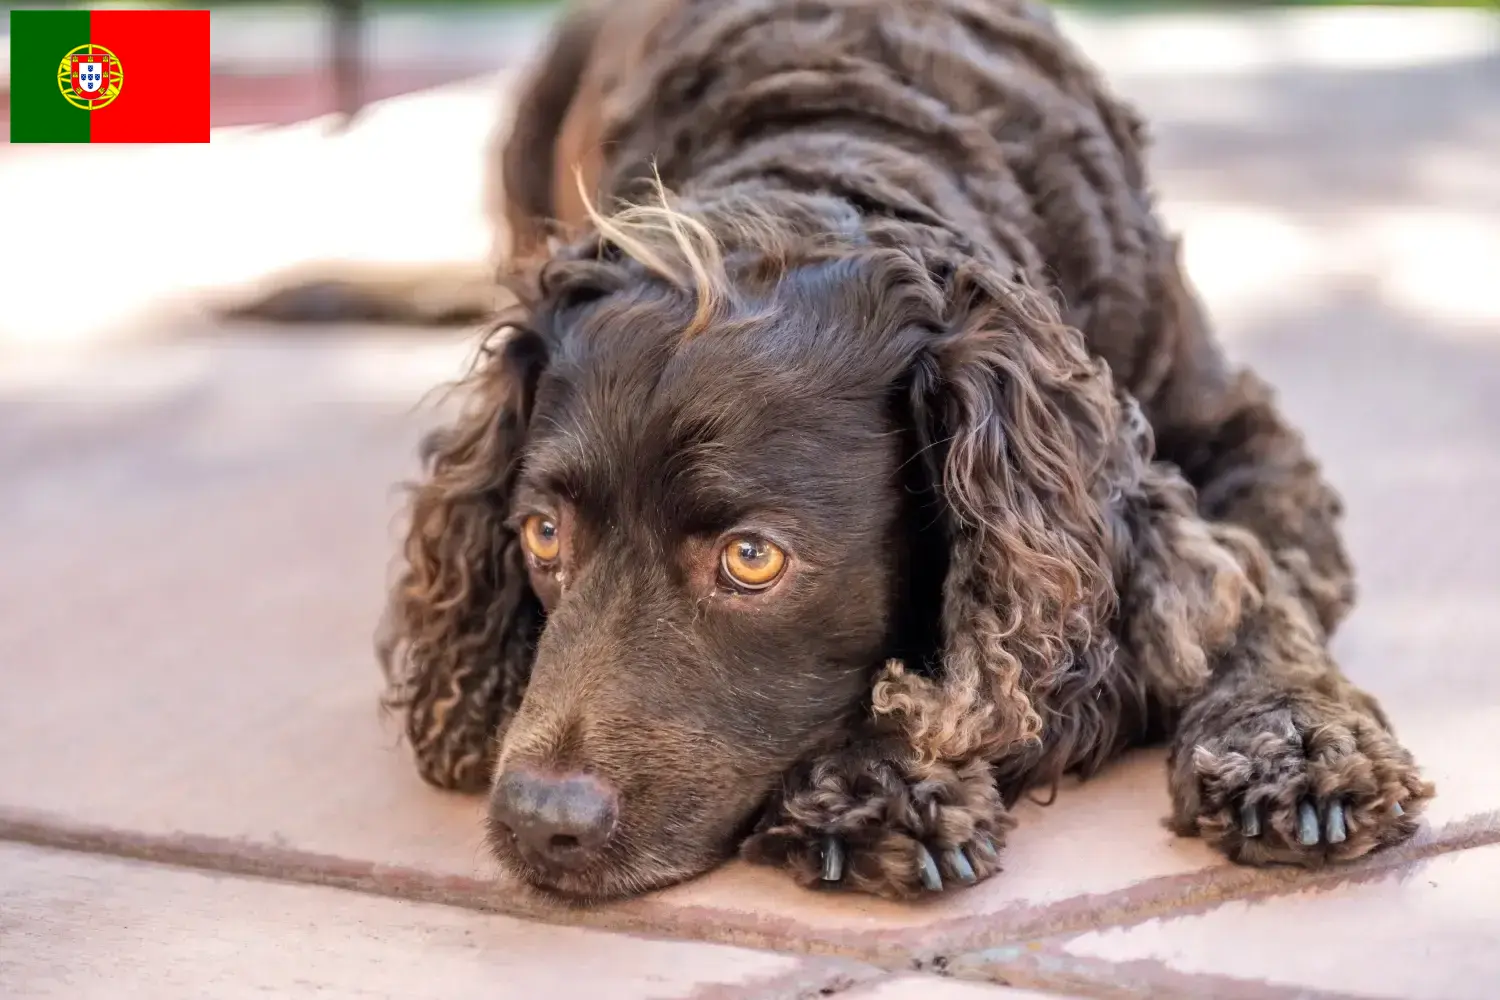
1307	824
833	859
1249	821
1334	827
1330	788
959	862
927	870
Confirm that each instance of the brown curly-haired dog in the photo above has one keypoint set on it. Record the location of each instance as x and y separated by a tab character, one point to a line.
884	470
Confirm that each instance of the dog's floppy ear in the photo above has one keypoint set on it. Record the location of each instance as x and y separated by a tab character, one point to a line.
1015	423
462	622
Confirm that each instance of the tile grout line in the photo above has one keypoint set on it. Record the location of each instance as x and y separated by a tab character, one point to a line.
810	979
1014	937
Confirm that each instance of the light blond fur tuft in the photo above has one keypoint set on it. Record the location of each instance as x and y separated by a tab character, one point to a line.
672	245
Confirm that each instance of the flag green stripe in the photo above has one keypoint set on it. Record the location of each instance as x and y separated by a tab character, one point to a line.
38	41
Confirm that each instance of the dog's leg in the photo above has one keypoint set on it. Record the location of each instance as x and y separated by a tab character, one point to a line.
1276	756
1280	759
1223	428
1252	468
870	816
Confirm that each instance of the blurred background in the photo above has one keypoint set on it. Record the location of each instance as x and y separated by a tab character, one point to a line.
1285	116
1339	134
196	516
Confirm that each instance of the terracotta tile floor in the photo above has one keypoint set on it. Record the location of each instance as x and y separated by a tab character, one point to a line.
194	532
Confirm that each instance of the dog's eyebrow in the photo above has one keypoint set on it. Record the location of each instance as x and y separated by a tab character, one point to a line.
559	462
715	484
708	501
692	495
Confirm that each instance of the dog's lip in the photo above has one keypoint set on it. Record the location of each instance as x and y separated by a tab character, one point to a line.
568	888
554	892
602	882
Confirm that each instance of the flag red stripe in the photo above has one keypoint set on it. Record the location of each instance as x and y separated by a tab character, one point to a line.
164	58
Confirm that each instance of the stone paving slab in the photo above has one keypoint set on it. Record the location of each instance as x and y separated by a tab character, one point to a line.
76	927
1426	932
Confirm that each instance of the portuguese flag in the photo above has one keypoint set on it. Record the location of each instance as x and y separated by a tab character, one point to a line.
109	76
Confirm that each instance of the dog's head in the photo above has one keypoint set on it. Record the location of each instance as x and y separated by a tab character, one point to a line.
703	498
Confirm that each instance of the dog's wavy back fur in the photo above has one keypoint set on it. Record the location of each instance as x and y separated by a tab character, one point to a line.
1052	187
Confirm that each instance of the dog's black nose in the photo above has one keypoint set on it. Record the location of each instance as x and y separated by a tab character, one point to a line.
562	819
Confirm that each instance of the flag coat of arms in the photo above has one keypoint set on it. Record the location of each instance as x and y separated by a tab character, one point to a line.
109	76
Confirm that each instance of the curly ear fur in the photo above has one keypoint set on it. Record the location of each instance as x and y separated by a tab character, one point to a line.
1019	422
1084	593
462	623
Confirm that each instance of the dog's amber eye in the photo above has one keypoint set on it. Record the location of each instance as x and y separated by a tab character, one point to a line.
752	563
541	538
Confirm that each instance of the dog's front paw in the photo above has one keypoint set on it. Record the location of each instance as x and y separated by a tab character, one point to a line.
856	820
1306	784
